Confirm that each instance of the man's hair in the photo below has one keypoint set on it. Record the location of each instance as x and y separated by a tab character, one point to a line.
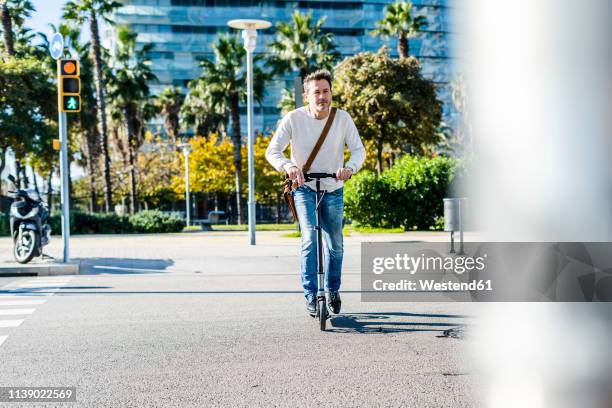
317	76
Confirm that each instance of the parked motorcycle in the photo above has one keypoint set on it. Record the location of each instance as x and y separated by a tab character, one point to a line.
29	217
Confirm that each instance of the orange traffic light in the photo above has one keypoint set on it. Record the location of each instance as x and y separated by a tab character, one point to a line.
69	67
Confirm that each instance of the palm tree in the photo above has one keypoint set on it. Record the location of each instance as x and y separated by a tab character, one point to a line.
169	103
81	11
202	112
399	22
287	101
226	80
301	46
130	91
14	13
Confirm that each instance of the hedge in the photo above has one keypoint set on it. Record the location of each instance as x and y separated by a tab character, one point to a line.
110	223
408	195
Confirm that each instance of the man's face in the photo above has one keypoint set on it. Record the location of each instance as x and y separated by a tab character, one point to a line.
319	95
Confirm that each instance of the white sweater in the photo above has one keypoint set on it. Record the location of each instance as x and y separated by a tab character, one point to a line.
302	130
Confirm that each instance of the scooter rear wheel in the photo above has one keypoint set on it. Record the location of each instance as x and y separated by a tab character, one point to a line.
322	314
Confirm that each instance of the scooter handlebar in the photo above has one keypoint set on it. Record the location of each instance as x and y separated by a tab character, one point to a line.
319	175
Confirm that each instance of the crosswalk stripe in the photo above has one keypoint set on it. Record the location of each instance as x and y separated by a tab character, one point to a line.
50	280
2	338
10	323
47	282
22	302
20	294
7	312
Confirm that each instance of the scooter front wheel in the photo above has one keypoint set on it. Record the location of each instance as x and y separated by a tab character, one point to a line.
322	314
26	246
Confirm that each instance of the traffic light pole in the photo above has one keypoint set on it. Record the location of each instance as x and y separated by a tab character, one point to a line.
65	196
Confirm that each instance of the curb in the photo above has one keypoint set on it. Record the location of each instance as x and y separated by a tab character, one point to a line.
50	269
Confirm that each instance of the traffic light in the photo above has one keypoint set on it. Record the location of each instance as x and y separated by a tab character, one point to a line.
69	86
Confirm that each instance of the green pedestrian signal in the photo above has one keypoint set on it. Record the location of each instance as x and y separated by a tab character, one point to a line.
71	103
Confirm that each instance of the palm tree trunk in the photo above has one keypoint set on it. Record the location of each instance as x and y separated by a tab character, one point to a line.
379	148
236	140
402	46
49	191
92	189
2	163
278	207
92	140
70	189
131	136
35	181
99	80
7	28
91	169
18	172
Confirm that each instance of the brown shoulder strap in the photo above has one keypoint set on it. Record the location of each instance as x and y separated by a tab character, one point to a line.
315	150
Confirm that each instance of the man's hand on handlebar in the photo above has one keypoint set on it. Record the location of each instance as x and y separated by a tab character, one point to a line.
344	174
295	173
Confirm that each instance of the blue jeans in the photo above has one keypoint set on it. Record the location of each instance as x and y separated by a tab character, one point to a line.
332	206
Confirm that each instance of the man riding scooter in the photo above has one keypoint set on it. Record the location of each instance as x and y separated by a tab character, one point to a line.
326	130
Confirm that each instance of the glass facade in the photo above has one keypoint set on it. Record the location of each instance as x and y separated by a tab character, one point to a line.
183	30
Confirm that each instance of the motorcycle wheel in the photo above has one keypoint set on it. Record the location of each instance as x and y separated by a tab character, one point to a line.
26	247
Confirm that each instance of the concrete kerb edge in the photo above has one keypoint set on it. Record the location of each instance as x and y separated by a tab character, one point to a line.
51	269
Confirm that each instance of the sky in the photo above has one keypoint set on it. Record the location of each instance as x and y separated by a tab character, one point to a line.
47	11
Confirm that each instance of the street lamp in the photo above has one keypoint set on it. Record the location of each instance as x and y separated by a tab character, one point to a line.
249	35
186	150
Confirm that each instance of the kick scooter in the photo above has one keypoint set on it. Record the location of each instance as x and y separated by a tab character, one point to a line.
322	312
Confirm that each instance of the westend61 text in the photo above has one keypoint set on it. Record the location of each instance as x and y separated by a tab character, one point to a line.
432	285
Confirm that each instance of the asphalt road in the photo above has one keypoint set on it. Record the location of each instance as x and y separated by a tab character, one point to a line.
203	319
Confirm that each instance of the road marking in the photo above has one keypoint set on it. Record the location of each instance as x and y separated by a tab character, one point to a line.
10	323
40	285
59	282
6	312
22	292
22	302
120	268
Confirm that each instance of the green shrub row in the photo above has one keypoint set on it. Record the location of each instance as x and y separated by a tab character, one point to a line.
408	195
110	223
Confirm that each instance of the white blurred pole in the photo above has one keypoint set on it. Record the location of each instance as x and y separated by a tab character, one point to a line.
250	38
186	150
249	29
540	105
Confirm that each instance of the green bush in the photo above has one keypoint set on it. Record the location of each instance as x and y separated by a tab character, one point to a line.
156	221
96	223
109	223
409	195
5	229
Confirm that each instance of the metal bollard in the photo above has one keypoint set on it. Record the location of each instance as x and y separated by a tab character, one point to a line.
454	220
